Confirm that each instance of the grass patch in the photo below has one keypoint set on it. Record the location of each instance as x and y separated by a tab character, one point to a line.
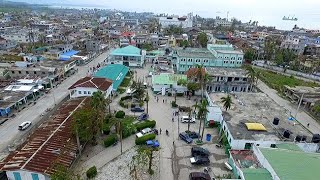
121	90
278	81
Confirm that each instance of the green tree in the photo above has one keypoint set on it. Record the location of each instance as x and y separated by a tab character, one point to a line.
99	106
227	101
269	48
279	57
202	114
184	43
82	124
249	55
253	76
147	47
202	39
61	173
147	98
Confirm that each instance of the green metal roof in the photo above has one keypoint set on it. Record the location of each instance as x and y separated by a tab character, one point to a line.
115	72
127	51
256	174
167	78
292	147
293	165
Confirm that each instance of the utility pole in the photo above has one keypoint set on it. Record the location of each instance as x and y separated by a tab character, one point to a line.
300	101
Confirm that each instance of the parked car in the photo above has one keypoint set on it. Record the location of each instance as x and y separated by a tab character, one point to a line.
153	143
186	119
137	109
199	151
199	160
199	176
143	117
193	135
24	125
144	132
184	136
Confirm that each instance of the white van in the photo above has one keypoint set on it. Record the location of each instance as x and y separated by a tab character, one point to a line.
24	125
186	119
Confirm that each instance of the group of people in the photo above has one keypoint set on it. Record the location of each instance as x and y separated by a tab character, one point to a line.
167	132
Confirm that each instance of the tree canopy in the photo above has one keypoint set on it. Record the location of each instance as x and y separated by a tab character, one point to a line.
202	39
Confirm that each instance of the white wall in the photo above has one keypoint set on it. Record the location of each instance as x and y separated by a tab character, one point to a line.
25	175
264	162
214	113
91	90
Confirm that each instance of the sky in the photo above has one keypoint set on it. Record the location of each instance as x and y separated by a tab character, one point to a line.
266	12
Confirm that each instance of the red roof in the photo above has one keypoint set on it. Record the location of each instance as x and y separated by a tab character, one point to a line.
49	144
127	34
93	82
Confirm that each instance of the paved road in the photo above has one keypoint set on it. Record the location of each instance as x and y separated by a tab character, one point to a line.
302	117
9	132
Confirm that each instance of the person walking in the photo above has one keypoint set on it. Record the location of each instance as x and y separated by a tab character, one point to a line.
172	119
160	130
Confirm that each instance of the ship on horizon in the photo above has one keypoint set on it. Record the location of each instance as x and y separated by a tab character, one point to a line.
289	19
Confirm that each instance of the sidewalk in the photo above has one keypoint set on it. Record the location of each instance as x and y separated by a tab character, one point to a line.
102	158
302	117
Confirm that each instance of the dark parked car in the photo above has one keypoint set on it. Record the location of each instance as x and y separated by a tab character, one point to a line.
199	160
199	151
193	135
199	176
184	136
137	109
143	117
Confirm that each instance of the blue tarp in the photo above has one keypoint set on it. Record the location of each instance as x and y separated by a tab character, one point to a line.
67	55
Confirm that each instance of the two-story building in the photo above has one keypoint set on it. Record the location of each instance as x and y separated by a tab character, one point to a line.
227	80
184	22
128	56
215	55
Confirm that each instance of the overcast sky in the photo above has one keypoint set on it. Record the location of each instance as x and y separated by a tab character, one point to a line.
267	12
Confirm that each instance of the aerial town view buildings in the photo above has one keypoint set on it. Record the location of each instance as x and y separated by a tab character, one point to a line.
89	93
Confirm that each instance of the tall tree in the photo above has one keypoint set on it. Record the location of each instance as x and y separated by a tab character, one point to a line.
202	113
82	124
61	173
227	101
98	105
253	76
147	98
202	39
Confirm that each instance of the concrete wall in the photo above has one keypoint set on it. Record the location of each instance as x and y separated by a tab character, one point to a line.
25	175
89	92
264	162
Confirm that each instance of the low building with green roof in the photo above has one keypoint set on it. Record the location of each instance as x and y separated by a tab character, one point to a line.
286	164
166	81
115	72
129	56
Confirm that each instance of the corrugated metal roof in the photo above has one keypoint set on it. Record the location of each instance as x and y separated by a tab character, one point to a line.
51	143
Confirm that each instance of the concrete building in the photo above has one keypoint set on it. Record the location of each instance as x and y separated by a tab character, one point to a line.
295	43
88	85
7	44
115	72
219	54
222	22
255	119
51	144
227	80
166	82
184	22
283	161
21	36
129	56
308	96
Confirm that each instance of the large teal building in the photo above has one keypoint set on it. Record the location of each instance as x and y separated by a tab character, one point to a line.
220	54
129	56
115	72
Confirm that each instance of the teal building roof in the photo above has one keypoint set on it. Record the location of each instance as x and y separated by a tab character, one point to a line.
127	51
115	72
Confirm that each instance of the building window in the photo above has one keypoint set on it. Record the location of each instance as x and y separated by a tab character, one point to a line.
12	72
34	72
34	176
79	92
89	92
19	72
84	92
17	175
43	72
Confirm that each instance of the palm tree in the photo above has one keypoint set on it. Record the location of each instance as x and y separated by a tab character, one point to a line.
98	105
202	112
252	75
147	100
227	101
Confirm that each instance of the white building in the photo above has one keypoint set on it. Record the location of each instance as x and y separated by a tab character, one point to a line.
222	22
251	121
88	85
22	36
185	21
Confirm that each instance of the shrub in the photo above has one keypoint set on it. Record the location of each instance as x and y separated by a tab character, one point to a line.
128	129
169	94
92	172
125	98
110	140
141	103
180	94
121	90
143	139
122	104
120	114
145	124
174	104
106	129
